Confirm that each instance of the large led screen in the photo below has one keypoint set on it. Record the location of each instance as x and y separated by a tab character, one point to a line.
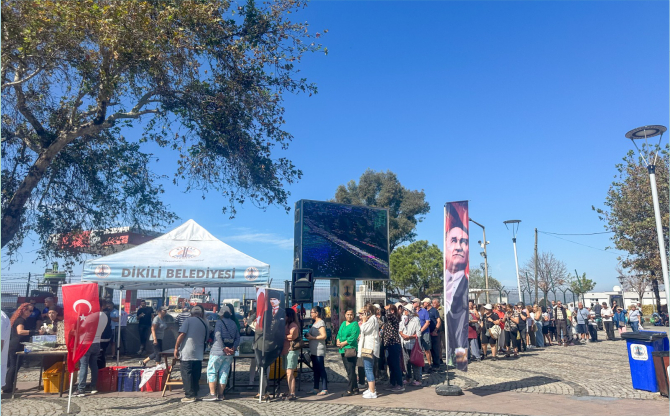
341	241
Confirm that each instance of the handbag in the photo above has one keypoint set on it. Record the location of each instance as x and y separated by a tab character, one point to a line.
416	356
494	331
367	353
349	353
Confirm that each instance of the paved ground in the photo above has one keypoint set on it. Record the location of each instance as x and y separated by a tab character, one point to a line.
592	379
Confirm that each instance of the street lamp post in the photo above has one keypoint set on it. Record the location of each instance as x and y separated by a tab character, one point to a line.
646	132
483	245
515	228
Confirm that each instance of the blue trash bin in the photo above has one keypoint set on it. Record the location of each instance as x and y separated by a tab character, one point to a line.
640	345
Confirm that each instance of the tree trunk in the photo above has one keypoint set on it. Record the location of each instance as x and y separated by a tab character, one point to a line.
657	295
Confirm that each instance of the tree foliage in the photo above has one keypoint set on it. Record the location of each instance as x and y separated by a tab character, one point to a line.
551	274
477	280
202	79
580	284
382	189
417	268
629	212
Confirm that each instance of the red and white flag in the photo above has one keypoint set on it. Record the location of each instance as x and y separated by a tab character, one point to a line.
81	309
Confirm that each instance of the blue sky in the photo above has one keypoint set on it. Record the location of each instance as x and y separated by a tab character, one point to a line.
519	107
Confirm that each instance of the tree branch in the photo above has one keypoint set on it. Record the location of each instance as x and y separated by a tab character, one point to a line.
21	81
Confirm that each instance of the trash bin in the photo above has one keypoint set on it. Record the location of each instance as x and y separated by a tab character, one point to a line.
640	347
661	359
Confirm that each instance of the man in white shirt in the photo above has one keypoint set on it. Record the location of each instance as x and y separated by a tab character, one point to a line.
607	314
6	332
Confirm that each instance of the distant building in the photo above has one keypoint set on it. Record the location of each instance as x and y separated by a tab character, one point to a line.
629	298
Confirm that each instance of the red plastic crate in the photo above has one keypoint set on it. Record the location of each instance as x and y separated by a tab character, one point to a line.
108	379
156	382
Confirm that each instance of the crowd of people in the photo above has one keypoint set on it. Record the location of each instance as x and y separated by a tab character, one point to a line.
508	329
397	343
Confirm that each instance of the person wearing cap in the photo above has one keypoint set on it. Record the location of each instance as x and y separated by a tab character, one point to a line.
607	314
490	319
456	274
190	349
410	332
226	341
158	326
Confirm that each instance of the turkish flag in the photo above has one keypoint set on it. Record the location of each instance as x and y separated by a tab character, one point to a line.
81	309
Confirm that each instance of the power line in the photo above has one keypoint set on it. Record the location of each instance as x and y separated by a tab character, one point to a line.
585	245
547	232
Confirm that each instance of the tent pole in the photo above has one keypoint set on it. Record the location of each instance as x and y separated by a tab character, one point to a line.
69	396
219	301
118	327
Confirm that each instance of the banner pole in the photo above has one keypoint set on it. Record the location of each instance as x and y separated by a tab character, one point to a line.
69	396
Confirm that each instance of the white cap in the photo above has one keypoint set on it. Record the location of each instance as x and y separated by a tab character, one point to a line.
488	306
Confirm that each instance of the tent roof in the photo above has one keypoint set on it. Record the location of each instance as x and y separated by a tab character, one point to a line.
187	256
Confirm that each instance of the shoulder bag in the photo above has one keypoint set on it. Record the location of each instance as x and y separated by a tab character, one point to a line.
416	356
494	331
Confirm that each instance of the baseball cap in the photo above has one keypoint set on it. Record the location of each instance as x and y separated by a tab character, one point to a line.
223	310
416	300
376	305
361	310
163	308
488	306
404	299
398	305
426	300
409	308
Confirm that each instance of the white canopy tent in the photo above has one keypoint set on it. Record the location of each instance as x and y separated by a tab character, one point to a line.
188	256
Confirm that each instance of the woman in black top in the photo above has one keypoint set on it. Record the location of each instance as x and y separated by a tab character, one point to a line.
391	340
19	334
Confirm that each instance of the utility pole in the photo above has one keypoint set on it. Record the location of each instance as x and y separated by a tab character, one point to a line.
483	244
536	280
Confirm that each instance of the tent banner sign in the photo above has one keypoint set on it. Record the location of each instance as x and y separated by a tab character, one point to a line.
186	256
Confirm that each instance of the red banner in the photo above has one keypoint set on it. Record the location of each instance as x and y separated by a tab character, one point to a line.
456	276
81	309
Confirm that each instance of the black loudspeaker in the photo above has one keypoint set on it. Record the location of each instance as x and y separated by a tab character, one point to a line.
303	286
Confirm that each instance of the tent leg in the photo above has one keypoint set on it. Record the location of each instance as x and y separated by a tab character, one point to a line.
118	329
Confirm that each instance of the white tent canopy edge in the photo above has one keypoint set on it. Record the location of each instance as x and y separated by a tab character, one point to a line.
187	256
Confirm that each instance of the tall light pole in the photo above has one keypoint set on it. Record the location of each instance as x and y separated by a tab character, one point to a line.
483	245
515	228
646	132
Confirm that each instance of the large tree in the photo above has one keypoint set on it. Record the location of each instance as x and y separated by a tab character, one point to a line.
552	274
202	79
407	208
629	214
417	268
477	280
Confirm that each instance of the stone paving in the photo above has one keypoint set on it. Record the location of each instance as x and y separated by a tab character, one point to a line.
597	370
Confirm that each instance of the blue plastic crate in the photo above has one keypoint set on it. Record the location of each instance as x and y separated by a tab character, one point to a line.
129	379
